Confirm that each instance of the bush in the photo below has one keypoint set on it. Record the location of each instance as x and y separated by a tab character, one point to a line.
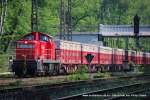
81	70
136	68
80	74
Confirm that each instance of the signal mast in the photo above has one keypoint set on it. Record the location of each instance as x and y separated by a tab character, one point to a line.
34	16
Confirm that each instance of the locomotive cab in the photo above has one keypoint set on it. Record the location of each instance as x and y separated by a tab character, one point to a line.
32	51
25	47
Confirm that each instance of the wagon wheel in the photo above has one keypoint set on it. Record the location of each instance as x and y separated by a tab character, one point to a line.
62	71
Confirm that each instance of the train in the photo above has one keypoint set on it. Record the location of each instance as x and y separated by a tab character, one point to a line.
39	54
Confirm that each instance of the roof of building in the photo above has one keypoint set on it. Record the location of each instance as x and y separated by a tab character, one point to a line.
123	30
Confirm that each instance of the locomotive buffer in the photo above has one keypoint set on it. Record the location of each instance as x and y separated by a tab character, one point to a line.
89	58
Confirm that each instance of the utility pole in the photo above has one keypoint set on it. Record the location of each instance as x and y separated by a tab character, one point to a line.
34	16
2	19
62	20
117	41
3	14
65	20
99	20
126	66
136	29
69	21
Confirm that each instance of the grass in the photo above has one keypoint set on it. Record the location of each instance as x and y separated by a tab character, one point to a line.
16	83
146	69
4	63
75	77
103	75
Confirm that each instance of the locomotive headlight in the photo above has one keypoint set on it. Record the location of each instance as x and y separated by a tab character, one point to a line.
25	42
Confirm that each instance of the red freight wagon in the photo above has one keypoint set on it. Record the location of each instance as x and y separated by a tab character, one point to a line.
68	52
119	56
131	56
105	56
148	57
68	55
89	49
139	57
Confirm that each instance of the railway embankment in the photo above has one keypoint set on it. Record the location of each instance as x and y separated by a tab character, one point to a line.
8	80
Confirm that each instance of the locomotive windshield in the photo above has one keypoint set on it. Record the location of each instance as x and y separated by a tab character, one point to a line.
29	37
44	38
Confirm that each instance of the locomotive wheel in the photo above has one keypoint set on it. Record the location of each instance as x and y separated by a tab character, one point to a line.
20	71
46	69
31	70
56	69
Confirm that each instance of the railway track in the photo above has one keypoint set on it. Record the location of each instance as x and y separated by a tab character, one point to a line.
143	93
127	91
72	89
116	91
136	90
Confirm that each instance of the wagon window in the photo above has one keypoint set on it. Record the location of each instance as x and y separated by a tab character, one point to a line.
44	38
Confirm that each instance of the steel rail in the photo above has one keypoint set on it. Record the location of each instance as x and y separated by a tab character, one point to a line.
109	89
135	92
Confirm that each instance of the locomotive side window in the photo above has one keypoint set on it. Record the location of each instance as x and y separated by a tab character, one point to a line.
43	38
29	37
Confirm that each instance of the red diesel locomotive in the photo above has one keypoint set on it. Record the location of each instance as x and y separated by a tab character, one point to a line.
38	53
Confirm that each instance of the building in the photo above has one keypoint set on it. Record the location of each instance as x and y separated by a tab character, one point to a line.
85	37
108	31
